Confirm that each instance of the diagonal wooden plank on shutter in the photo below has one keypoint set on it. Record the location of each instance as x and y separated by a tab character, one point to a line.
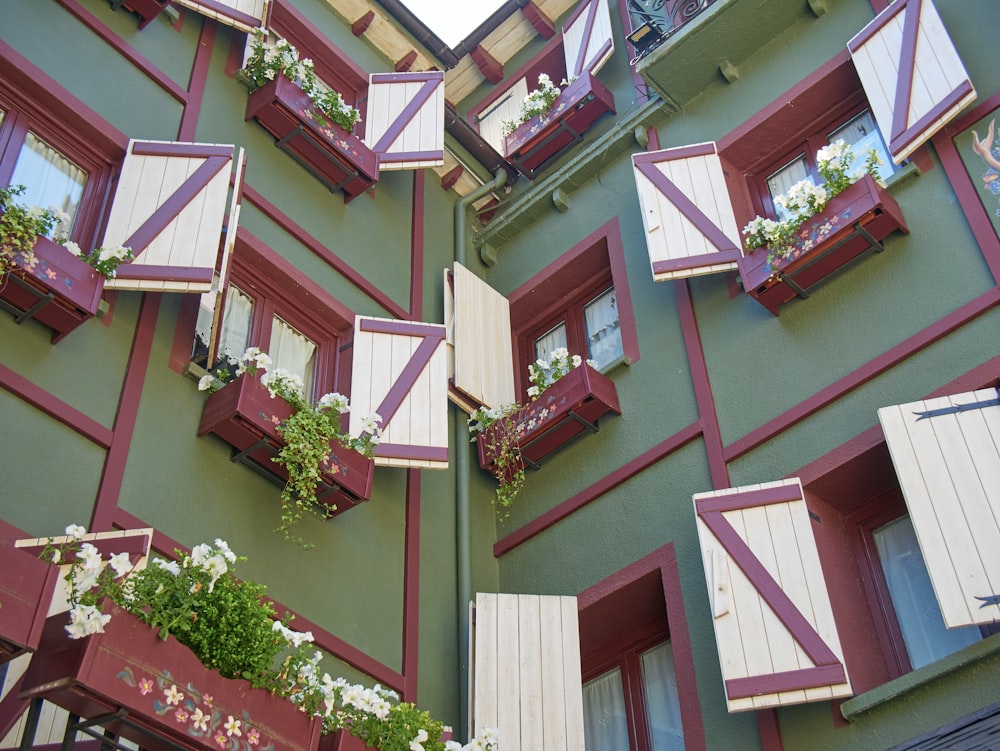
244	15
479	321
169	208
405	120
946	452
912	74
775	632
399	372
587	39
686	211
506	107
526	678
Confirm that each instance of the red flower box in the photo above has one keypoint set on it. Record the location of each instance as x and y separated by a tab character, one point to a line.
170	699
244	415
147	10
565	410
26	586
340	160
852	224
56	288
542	138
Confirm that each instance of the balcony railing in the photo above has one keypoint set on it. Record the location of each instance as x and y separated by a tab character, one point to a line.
654	21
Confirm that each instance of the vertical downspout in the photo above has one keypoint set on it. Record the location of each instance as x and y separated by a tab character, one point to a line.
463	564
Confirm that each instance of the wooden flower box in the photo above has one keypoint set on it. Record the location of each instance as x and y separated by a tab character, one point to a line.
340	160
542	138
569	408
26	586
147	10
157	693
56	288
853	224
244	415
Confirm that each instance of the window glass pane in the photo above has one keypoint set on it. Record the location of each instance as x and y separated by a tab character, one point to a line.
604	724
663	707
553	339
52	180
234	337
861	134
917	611
604	335
779	182
294	352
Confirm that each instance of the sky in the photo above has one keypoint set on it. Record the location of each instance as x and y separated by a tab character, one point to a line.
452	21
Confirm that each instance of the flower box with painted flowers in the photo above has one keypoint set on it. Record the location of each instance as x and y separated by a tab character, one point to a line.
245	415
26	586
534	143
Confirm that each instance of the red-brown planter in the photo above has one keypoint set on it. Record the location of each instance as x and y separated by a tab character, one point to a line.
853	224
340	160
26	586
163	687
147	10
568	408
55	288
542	138
244	415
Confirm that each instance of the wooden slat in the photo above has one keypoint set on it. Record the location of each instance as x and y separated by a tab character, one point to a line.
777	640
405	120
507	107
587	39
948	467
687	215
244	15
912	74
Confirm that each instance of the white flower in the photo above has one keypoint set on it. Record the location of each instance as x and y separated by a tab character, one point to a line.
534	391
75	531
577	361
90	556
370	423
120	563
417	744
206	382
335	401
73	248
85	620
172	566
223	547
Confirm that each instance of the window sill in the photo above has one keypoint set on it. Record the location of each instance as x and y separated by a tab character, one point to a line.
59	290
338	159
901	687
245	416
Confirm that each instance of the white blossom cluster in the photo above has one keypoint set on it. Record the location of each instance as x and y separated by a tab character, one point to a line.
543	373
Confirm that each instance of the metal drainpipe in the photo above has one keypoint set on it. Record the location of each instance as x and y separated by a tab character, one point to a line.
462	483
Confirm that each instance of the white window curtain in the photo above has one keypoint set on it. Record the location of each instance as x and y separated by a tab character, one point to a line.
779	182
292	351
235	334
663	706
917	610
52	181
604	335
604	723
862	135
551	340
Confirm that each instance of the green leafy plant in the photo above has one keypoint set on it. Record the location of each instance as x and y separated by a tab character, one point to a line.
232	629
501	428
537	102
104	260
267	61
20	227
307	435
804	200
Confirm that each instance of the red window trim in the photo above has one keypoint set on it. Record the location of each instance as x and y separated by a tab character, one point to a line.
610	607
557	287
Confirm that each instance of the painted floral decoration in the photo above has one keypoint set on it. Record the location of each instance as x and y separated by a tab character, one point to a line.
233	629
804	200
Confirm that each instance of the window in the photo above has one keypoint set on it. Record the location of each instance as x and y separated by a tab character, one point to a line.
636	661
652	717
268	305
591	330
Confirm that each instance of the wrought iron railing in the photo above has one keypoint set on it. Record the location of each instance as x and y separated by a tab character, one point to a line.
655	21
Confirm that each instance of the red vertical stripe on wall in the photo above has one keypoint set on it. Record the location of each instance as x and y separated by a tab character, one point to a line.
196	84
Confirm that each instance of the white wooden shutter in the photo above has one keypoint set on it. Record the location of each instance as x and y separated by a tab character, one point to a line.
526	679
169	209
587	38
405	121
686	211
506	107
244	15
946	452
774	626
478	320
399	372
913	77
